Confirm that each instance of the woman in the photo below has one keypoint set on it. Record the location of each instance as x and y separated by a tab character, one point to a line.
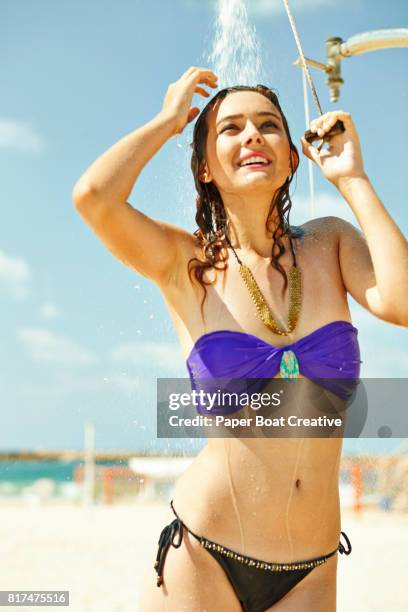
257	520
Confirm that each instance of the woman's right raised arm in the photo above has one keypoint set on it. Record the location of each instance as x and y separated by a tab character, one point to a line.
149	246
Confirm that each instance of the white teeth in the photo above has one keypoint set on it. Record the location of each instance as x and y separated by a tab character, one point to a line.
254	159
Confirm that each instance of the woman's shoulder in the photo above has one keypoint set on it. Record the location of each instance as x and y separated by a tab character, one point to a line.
320	237
324	228
328	223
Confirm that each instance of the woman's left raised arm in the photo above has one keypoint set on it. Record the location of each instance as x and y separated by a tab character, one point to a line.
374	265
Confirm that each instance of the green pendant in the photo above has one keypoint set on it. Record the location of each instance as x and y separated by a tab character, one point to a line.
289	365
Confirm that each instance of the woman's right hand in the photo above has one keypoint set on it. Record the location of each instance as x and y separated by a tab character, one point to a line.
179	95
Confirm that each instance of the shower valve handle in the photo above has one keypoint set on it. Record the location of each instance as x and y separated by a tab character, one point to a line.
338	128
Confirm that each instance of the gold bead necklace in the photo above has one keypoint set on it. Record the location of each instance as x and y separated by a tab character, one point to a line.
263	310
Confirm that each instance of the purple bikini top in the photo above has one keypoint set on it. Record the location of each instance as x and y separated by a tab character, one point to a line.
330	354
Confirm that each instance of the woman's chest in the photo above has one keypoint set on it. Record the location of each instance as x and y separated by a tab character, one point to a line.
229	304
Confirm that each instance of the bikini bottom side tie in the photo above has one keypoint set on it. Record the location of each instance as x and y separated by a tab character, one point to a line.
257	584
167	539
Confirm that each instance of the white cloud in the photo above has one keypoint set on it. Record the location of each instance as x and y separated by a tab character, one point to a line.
65	380
325	204
50	311
20	135
14	276
48	347
191	4
58	386
155	354
274	7
268	7
129	384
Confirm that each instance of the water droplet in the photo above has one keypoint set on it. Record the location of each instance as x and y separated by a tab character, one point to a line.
136	286
144	301
151	316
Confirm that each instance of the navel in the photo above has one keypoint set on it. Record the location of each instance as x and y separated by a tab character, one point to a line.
297	483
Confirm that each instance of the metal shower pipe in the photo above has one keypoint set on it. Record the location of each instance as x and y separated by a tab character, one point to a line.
337	50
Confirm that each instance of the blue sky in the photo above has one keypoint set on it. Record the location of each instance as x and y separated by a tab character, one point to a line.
84	337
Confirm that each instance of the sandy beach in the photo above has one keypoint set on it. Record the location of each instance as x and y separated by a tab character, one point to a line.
99	554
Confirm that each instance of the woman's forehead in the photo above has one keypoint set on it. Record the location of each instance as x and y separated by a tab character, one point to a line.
241	102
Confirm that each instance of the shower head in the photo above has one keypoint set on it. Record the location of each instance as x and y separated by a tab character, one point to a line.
337	49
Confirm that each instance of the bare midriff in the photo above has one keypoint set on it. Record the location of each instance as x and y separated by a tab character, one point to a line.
274	499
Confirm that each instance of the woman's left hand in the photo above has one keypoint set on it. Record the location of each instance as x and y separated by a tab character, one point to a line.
342	159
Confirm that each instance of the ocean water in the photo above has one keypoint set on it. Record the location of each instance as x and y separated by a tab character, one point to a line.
17	475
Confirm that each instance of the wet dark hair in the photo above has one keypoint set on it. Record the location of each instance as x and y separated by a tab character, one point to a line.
213	230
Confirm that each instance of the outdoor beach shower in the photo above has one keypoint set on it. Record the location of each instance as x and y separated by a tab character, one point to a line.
337	50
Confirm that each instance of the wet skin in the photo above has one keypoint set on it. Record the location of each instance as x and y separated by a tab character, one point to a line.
272	499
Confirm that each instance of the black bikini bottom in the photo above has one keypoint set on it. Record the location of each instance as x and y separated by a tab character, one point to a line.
257	584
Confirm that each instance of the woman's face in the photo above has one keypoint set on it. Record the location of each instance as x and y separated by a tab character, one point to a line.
256	129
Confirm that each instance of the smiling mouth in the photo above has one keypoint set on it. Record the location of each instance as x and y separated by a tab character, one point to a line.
256	165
